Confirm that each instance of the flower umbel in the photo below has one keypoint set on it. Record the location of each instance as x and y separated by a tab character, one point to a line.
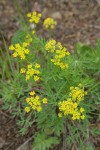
32	71
27	109
35	102
45	101
34	17
50	46
59	53
77	94
71	105
49	23
20	50
68	107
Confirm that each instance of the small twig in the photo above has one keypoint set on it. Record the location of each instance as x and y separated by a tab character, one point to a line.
64	146
98	1
87	133
93	26
19	148
9	146
5	114
33	121
73	146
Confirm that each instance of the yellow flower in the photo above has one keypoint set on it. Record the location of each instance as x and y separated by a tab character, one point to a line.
36	78
71	105
37	65
77	94
27	109
34	101
76	115
11	47
59	115
32	71
45	101
39	108
15	54
28	39
37	97
71	88
36	72
33	32
82	110
34	17
63	66
29	15
22	56
82	117
73	118
67	107
75	105
27	99
59	51
29	66
49	23
25	44
32	93
20	50
23	70
50	45
27	77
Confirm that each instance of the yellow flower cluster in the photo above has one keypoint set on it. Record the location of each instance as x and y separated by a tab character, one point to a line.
70	108
21	50
28	39
49	23
77	94
35	102
59	51
50	46
71	105
33	32
34	17
31	71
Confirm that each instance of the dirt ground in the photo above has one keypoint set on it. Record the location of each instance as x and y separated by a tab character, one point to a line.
77	20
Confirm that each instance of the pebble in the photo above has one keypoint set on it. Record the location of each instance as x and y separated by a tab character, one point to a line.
56	15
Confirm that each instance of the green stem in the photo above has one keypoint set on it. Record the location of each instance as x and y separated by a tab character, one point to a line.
95	114
93	86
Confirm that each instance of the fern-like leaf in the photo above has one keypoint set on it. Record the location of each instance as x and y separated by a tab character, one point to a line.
42	142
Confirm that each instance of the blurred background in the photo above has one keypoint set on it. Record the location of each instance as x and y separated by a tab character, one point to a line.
78	20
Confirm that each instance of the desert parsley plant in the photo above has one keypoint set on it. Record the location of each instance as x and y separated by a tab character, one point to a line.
51	87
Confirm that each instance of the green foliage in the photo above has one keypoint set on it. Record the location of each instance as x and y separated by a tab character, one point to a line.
19	36
52	125
54	84
90	57
42	142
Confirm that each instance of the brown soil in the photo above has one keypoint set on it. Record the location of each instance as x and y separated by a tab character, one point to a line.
77	20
